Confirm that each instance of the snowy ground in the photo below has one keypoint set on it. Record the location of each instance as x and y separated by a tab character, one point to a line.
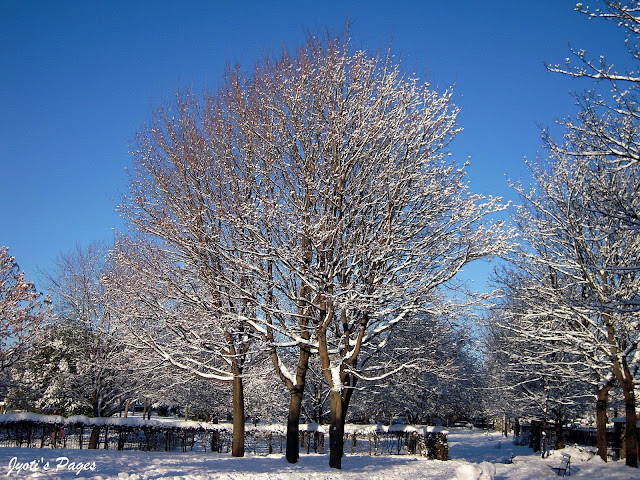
465	447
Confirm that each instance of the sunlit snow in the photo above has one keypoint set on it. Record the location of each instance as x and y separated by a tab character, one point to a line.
471	452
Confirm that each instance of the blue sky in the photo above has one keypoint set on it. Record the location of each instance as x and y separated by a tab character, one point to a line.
77	79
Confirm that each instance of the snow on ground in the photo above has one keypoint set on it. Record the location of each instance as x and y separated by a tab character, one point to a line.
466	447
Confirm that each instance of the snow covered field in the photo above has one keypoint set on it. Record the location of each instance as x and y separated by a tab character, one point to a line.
465	447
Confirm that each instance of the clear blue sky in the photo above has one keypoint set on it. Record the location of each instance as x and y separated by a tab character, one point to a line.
78	78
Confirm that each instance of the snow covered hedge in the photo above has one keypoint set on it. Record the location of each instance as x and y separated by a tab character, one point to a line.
130	422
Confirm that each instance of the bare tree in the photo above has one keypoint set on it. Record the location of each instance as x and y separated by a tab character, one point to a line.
578	279
313	205
22	311
352	199
602	140
98	378
183	319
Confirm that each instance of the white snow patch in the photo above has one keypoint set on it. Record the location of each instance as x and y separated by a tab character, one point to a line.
467	448
484	471
335	379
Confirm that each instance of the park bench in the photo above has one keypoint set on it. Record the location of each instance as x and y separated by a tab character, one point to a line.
565	465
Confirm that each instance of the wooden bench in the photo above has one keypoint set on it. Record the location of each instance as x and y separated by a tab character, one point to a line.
565	465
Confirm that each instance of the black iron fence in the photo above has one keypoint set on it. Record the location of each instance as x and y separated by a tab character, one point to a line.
134	433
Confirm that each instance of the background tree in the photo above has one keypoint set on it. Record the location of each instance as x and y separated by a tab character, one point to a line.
173	303
602	139
172	391
85	344
266	396
437	379
98	377
575	283
49	378
533	355
22	311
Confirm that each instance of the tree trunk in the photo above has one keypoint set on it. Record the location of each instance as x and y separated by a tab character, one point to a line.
94	438
617	440
601	421
626	382
535	435
630	429
336	431
146	409
95	403
318	400
237	444
293	430
559	443
347	395
505	426
544	426
296	390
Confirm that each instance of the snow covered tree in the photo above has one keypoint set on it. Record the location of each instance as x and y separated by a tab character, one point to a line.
315	407
437	375
531	357
22	311
98	377
266	396
49	377
352	198
574	294
603	136
181	393
88	368
607	122
602	141
312	204
171	298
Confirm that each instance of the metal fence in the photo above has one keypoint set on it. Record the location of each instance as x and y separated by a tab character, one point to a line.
49	431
